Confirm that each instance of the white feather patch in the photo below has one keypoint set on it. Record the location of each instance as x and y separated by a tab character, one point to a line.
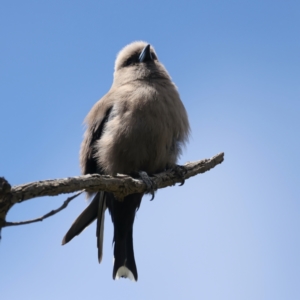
125	272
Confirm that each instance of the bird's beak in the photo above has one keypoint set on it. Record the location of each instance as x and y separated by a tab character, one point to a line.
146	54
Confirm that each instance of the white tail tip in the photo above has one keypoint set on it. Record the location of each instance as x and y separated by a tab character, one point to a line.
125	272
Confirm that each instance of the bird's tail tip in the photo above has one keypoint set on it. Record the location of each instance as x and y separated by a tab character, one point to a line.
124	272
64	241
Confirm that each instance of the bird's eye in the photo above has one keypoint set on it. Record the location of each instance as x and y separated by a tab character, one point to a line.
132	60
153	55
129	62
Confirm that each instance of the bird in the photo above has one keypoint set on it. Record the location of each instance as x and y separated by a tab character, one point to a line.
139	127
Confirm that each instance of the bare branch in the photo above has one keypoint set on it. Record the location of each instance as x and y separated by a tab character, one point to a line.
49	214
120	186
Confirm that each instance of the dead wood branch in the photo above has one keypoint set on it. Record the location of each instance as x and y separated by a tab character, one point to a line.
49	214
120	185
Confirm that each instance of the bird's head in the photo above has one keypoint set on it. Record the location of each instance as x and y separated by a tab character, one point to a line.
138	61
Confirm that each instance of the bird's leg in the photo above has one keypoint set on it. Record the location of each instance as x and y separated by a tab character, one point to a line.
180	171
151	188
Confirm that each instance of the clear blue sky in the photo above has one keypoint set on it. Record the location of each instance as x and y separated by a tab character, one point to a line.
231	233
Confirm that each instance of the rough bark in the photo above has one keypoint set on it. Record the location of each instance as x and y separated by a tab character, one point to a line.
120	185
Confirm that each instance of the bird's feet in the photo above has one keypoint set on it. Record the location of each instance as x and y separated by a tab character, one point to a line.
151	188
180	171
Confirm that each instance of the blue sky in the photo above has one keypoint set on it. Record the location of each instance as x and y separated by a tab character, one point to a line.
231	233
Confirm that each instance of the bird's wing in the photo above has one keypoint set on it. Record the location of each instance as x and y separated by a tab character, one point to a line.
83	220
96	121
97	207
95	210
100	223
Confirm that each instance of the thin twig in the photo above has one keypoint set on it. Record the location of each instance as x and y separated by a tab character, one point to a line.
49	214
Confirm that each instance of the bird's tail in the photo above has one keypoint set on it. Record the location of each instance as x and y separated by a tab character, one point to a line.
124	265
123	214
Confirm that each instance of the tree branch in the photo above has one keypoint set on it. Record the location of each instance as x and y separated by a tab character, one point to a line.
49	214
120	185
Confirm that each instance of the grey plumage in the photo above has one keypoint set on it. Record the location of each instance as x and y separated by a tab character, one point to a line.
139	125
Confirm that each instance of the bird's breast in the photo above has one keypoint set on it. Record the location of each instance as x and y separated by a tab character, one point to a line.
139	134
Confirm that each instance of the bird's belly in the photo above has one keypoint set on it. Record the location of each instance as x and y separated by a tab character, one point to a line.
135	146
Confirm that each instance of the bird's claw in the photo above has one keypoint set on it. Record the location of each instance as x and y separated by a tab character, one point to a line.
149	183
180	171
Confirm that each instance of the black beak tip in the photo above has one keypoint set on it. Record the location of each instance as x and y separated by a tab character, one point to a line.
146	54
